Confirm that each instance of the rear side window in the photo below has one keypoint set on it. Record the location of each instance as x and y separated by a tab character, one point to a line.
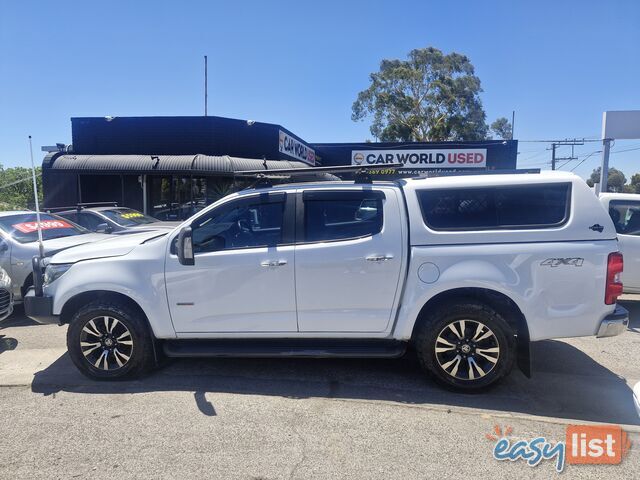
626	216
488	208
342	215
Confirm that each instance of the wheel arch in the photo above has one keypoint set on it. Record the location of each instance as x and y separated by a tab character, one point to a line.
498	301
74	303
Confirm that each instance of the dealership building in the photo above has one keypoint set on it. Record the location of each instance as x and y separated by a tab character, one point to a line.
169	167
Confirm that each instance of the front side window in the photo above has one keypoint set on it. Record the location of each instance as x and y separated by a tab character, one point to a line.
342	215
626	216
89	220
486	208
242	223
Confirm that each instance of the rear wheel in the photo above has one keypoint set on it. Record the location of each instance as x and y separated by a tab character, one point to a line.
109	341
467	346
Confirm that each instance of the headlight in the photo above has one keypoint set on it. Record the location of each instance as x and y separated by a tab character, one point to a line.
53	272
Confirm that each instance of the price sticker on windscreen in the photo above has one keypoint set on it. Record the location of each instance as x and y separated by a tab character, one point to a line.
30	227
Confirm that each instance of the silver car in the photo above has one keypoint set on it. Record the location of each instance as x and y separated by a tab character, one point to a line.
6	295
19	243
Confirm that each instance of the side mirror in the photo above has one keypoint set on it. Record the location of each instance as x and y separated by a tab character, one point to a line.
184	247
4	246
104	228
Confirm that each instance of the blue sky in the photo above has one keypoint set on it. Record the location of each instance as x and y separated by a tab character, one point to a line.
559	65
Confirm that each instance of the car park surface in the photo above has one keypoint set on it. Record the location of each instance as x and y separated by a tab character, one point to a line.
300	418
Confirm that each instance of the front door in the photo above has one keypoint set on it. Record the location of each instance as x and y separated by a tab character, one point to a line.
243	277
348	260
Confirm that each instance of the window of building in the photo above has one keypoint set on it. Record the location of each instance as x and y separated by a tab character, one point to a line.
626	216
342	215
487	208
242	223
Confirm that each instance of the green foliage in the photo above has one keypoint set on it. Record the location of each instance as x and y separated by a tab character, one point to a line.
615	181
502	128
428	97
16	188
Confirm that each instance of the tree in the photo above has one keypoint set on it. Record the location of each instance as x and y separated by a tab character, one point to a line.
428	97
16	188
615	182
502	128
635	183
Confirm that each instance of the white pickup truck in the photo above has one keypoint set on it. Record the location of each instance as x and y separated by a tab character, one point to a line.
624	209
466	269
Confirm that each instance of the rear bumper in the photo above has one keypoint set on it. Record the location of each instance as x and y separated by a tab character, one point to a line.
39	308
614	324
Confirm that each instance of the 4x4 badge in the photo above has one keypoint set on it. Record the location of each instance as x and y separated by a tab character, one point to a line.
555	262
596	228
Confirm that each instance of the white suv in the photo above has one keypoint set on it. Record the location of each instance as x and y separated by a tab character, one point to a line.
467	269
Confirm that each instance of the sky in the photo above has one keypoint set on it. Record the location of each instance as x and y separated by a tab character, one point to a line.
558	64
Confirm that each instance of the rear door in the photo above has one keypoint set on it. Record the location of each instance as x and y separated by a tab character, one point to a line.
626	218
348	257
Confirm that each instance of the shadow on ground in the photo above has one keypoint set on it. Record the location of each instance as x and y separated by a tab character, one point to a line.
566	383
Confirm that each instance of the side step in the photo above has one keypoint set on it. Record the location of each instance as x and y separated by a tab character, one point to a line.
288	347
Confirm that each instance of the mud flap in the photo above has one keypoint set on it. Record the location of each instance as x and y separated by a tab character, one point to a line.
524	355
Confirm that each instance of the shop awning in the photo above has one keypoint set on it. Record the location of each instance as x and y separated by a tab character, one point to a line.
223	165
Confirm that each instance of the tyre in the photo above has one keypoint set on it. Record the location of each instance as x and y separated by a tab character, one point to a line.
109	341
467	346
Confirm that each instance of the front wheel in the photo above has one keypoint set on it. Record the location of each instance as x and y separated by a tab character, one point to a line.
467	346
109	341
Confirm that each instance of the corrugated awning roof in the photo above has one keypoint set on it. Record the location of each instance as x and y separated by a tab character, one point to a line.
222	165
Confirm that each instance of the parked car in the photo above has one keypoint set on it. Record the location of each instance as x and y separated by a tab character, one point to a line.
624	209
18	243
467	270
114	219
6	295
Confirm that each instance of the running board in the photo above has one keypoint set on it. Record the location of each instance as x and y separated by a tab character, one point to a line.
308	347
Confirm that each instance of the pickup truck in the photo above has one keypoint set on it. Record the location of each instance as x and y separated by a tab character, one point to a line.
466	270
624	209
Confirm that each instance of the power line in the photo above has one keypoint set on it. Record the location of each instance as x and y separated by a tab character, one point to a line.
18	181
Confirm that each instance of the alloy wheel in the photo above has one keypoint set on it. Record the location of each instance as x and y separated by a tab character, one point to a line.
106	343
467	349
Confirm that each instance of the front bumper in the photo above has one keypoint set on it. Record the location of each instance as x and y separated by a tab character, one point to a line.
614	324
39	308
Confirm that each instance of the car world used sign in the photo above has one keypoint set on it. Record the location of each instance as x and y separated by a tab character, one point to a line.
296	149
423	159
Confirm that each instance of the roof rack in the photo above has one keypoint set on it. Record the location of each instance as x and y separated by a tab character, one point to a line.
81	206
361	172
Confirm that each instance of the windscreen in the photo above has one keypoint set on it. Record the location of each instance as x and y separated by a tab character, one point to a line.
127	217
23	227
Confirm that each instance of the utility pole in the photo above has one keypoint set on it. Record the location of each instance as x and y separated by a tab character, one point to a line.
558	143
513	122
205	86
604	168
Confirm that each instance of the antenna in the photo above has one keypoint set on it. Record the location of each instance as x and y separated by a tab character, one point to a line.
205	86
35	195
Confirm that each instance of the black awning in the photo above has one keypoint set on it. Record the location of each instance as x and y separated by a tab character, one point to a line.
148	164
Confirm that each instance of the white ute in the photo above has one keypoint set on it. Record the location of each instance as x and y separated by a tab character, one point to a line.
466	269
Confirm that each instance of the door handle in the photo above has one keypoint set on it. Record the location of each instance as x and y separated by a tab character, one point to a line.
379	258
273	263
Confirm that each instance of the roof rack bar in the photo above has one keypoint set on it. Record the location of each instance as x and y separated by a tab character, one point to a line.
312	170
80	206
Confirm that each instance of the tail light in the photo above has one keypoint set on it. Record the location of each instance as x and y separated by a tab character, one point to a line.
613	288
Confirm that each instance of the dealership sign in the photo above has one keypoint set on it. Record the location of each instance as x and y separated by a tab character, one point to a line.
423	159
296	149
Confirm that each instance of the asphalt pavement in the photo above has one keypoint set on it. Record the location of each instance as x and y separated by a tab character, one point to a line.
302	418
